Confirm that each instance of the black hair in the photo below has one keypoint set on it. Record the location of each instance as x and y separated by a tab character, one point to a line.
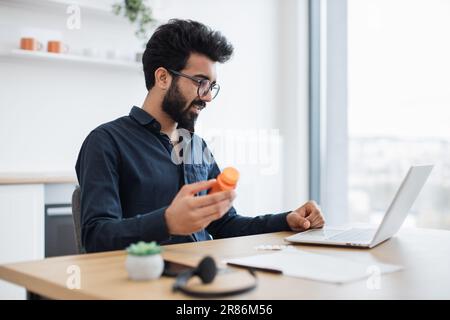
172	43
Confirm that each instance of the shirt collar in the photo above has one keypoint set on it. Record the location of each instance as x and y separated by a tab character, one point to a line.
145	119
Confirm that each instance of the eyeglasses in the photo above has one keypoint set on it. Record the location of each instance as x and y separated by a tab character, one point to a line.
204	85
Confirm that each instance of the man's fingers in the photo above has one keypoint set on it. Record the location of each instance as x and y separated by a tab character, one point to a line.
308	209
211	213
301	211
196	187
313	215
305	223
318	222
315	218
217	209
301	222
210	199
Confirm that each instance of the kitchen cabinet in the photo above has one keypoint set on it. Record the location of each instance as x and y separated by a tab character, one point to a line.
23	198
21	229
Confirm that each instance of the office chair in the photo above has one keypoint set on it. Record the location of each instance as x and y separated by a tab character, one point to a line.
76	214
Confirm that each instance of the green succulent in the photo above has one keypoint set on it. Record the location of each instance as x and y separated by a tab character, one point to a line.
144	248
137	12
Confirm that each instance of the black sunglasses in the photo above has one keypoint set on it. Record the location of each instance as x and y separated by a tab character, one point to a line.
204	85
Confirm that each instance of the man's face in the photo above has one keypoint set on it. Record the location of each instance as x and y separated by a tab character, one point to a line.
181	101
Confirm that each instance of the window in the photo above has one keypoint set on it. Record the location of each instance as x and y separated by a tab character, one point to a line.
397	108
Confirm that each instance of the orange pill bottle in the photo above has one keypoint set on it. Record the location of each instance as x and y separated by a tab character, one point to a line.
226	180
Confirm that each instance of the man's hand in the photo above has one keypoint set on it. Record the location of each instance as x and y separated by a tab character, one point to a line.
306	217
189	213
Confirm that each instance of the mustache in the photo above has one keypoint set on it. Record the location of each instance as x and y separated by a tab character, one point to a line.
199	103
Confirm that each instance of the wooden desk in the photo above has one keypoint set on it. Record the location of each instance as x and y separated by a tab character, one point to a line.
424	253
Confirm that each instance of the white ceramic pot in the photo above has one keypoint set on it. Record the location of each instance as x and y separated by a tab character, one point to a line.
144	267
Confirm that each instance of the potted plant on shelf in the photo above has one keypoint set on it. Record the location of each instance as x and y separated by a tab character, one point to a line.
144	261
137	12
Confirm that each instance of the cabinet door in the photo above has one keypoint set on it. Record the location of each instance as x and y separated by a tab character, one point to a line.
21	229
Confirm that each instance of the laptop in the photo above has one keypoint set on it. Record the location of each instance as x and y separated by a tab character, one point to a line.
369	237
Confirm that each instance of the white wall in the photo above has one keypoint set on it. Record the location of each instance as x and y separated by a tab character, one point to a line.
47	109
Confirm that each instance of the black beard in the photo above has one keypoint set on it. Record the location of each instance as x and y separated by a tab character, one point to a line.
174	104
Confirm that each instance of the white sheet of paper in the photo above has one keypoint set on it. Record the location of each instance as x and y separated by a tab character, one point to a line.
319	267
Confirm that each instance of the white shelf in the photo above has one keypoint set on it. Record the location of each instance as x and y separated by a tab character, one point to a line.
97	7
93	6
61	57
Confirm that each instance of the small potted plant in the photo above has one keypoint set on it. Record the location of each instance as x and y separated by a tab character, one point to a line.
144	261
137	12
140	14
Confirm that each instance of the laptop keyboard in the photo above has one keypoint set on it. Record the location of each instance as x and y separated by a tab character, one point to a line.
354	235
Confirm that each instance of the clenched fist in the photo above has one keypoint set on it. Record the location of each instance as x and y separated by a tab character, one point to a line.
306	217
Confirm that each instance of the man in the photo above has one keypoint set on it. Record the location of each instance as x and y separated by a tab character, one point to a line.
133	187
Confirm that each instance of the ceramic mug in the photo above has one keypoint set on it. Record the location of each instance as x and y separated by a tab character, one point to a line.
30	44
56	46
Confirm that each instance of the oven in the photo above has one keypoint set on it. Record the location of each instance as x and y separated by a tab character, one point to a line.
59	227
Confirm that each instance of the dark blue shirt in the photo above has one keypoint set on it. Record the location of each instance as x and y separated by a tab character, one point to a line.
128	177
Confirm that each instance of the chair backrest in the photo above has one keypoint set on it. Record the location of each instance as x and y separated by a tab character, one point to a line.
76	214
